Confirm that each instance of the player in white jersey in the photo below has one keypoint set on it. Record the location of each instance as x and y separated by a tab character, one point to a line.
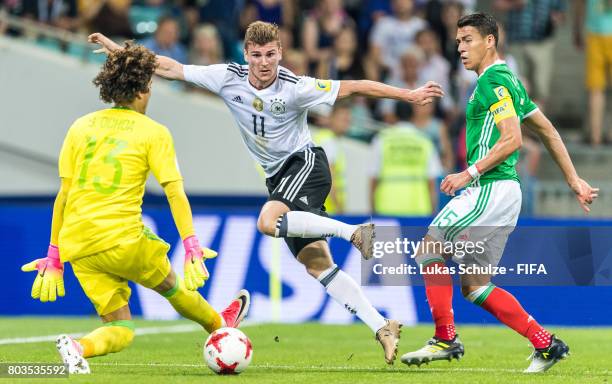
270	105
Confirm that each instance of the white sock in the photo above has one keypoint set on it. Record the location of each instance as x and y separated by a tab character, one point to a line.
345	291
308	225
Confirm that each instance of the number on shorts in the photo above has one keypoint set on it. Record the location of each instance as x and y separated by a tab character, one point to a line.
445	219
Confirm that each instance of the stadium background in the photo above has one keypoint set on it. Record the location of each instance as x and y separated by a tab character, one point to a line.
45	83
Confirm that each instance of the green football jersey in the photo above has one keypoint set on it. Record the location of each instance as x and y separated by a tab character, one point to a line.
498	95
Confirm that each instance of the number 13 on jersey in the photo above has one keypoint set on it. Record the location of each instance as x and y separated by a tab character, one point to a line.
110	158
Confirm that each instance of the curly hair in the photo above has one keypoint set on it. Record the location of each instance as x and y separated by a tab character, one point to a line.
126	73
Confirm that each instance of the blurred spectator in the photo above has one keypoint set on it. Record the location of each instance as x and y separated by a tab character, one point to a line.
320	29
393	35
295	61
461	148
109	17
225	16
409	77
527	168
436	68
451	13
468	5
343	63
206	47
435	13
598	59
502	51
165	41
144	15
4	10
422	117
372	11
279	12
432	11
530	28
404	171
286	38
57	13
331	140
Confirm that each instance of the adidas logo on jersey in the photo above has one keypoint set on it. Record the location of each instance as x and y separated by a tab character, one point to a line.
304	200
237	99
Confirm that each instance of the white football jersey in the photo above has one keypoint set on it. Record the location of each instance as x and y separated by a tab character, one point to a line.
272	121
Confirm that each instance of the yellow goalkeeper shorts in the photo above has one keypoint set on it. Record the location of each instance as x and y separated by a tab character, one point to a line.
104	276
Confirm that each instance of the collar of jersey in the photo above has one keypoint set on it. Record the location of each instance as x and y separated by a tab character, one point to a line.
122	108
266	88
126	109
499	61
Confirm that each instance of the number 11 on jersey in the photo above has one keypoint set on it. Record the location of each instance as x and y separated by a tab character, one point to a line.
261	122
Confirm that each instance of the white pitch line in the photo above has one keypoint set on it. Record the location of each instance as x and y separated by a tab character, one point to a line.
183	328
314	368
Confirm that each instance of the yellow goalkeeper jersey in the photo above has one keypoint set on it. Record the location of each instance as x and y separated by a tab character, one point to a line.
107	155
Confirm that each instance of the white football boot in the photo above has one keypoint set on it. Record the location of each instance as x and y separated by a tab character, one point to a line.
435	349
72	354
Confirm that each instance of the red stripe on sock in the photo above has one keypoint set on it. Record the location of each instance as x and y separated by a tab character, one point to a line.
439	291
508	310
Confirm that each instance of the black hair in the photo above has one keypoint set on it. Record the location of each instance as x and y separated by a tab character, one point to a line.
483	22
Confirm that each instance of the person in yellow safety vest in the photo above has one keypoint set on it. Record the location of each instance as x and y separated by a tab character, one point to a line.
330	139
404	169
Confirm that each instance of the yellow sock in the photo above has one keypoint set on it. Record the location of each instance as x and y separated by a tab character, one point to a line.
112	337
191	304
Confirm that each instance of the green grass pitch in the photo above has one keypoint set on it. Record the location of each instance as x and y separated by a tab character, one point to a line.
311	353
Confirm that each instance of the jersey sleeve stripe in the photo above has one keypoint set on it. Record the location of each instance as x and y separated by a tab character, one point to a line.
531	112
237	66
287	74
282	77
236	72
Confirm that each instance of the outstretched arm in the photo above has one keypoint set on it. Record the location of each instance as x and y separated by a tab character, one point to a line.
539	124
167	68
49	281
195	272
423	95
181	210
58	209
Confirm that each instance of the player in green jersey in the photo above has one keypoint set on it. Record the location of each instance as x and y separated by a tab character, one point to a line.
488	208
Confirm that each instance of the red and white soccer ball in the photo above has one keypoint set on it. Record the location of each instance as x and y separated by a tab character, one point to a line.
228	351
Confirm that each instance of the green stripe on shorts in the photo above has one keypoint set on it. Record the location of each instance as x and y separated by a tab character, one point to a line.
475	214
452	230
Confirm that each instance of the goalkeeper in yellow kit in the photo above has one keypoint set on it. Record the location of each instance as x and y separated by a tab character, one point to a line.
97	225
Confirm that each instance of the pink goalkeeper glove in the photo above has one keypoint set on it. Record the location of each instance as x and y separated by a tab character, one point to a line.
194	270
50	276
